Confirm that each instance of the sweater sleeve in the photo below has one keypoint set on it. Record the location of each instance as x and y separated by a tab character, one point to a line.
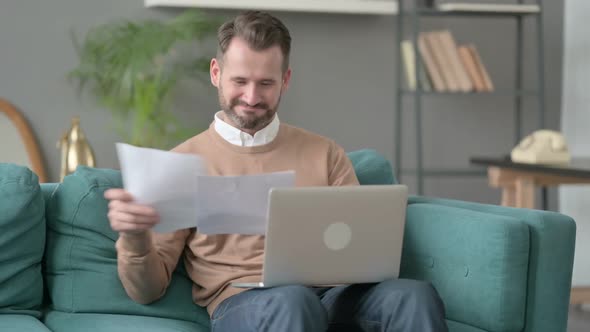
340	169
145	264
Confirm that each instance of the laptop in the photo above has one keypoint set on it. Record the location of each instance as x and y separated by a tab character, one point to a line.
337	235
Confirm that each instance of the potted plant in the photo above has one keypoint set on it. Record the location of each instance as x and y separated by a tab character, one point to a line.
131	68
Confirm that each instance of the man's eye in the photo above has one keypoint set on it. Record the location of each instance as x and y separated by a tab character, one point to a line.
240	82
266	83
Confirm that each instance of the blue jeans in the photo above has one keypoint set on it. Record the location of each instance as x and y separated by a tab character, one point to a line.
393	305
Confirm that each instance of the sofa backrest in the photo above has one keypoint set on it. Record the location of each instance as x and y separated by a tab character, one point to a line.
371	167
22	241
81	260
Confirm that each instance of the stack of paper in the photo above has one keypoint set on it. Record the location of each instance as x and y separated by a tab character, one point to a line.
178	186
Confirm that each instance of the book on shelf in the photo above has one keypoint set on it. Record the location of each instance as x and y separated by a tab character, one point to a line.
424	79
455	65
430	65
445	65
481	68
442	60
409	61
472	69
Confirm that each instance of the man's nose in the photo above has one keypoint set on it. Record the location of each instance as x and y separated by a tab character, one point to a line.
251	95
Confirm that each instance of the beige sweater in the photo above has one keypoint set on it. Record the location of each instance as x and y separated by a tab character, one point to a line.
214	261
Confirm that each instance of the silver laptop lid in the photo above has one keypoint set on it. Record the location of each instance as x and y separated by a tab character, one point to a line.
334	235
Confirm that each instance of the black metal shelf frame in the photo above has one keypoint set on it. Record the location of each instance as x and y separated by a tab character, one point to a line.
518	93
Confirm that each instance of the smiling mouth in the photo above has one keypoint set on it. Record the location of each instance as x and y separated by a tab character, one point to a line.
251	109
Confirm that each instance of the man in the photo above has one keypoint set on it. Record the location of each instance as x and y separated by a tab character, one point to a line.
251	72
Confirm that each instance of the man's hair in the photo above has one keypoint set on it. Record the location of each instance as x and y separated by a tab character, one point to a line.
259	29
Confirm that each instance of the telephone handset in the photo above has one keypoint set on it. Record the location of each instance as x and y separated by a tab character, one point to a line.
542	147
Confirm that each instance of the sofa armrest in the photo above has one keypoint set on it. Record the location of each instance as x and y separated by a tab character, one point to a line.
551	241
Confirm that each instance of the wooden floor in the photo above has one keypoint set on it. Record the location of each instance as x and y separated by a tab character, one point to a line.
579	319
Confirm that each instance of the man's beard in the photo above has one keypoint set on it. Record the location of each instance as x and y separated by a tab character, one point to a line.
252	122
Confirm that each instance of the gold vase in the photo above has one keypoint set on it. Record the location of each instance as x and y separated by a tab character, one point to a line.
75	149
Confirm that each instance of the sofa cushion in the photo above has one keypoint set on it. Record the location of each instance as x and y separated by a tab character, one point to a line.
478	262
67	322
22	240
371	167
81	260
21	323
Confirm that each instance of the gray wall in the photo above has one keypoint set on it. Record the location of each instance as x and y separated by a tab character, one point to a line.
343	84
573	200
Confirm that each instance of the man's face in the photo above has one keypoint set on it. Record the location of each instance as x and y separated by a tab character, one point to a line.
250	84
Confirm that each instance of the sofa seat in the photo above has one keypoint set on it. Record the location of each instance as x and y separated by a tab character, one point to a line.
79	322
21	323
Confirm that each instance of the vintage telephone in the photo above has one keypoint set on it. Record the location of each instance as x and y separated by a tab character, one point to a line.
542	147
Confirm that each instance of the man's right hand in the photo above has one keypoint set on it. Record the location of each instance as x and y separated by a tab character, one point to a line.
128	217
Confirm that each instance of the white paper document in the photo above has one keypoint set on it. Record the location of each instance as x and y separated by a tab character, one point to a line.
237	204
178	187
165	180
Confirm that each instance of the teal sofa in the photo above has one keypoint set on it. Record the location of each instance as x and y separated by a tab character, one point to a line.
497	269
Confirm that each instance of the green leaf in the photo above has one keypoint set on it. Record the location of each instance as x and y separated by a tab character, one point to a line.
127	66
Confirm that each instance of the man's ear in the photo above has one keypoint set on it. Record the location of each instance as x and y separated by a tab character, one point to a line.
215	72
286	79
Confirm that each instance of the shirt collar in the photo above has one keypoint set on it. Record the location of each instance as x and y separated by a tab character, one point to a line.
237	137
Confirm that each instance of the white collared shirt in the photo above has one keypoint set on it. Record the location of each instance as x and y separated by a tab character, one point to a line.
240	138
